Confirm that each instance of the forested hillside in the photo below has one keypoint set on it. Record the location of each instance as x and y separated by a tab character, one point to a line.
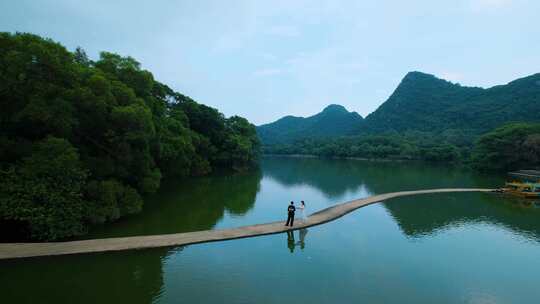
82	141
430	119
333	121
509	147
425	103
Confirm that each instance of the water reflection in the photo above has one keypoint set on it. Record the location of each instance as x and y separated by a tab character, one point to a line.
129	277
417	216
424	215
190	205
302	234
334	178
138	276
292	243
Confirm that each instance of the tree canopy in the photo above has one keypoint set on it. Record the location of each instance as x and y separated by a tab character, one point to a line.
425	118
510	147
81	141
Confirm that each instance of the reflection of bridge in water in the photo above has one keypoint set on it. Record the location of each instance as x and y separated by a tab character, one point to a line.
22	250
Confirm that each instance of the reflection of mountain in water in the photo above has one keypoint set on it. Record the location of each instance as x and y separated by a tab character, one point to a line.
422	215
189	205
131	277
416	215
336	177
314	172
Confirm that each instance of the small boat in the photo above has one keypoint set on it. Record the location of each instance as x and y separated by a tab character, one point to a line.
524	183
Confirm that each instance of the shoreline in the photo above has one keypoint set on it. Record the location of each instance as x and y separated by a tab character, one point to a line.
29	250
347	157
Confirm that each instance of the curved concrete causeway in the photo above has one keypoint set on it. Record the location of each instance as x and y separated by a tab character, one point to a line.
25	250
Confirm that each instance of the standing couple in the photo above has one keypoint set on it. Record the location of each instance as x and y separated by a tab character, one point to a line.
290	211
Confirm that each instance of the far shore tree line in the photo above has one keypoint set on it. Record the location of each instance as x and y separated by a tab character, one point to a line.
426	118
509	147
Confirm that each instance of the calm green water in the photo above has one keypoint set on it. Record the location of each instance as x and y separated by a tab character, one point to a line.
440	248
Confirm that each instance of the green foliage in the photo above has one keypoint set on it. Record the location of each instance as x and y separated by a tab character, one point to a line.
122	131
510	147
333	121
414	146
421	103
425	103
241	139
44	191
426	118
109	200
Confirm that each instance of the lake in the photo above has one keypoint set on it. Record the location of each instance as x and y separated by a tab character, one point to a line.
436	248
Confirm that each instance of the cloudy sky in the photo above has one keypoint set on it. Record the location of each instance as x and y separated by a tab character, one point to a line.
266	59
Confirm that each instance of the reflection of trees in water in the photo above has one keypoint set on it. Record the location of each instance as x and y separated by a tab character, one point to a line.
422	215
122	277
313	172
416	215
189	205
132	276
239	192
336	177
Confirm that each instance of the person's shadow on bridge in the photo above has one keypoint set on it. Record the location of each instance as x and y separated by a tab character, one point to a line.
291	242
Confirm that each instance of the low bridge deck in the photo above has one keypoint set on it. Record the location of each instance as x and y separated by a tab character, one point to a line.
25	250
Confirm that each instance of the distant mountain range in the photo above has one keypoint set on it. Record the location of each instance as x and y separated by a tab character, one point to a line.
421	102
333	121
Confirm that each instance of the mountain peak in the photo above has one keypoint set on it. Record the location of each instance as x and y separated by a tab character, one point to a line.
333	121
428	83
416	75
335	108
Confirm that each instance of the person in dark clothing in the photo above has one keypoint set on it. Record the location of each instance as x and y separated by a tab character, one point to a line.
290	211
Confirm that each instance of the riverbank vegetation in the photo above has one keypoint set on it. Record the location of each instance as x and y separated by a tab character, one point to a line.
425	118
510	147
410	146
82	141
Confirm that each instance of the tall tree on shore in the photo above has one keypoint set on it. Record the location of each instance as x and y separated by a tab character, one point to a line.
105	130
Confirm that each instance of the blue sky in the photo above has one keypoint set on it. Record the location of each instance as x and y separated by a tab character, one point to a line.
264	60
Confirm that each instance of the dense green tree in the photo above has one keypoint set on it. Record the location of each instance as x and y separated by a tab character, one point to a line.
44	191
122	131
109	200
391	146
510	147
